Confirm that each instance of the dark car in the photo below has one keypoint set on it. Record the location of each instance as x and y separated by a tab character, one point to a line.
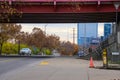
81	53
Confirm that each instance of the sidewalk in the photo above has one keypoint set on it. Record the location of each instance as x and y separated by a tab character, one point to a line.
99	64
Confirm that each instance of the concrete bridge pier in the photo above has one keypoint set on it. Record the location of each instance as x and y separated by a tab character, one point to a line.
118	35
114	39
114	44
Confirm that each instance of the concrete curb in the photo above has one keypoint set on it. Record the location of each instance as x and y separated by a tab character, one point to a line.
33	56
108	68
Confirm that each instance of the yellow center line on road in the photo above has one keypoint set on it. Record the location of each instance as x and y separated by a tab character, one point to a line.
44	63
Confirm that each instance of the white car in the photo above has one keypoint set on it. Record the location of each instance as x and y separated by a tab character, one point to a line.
25	51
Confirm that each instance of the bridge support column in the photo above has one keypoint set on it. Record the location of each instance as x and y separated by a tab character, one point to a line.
115	30
118	36
114	41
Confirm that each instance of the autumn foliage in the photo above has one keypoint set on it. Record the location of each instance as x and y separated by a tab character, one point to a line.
36	40
7	11
8	32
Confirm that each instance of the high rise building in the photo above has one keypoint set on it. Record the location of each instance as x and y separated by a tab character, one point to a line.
86	32
107	30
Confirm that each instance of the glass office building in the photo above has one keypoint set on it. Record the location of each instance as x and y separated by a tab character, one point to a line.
86	32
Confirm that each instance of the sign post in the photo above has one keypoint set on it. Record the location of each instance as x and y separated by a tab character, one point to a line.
105	61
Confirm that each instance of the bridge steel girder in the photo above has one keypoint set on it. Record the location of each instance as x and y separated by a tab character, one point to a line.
43	11
67	8
64	18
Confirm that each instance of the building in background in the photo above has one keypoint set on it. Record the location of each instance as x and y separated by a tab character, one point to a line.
107	30
86	33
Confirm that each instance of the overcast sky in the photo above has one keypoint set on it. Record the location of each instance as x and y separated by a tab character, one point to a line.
63	30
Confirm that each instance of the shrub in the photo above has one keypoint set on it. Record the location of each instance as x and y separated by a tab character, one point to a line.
35	50
46	51
9	48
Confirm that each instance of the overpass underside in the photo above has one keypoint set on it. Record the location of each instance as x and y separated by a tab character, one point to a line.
64	11
65	18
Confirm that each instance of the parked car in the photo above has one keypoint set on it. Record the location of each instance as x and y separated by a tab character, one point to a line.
81	53
25	51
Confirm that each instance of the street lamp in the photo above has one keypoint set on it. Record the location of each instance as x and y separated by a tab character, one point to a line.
73	35
45	28
116	5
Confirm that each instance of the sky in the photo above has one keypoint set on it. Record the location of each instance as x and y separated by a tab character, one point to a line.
63	30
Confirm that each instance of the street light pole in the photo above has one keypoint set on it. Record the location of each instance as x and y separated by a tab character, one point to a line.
67	34
73	35
85	35
116	5
45	28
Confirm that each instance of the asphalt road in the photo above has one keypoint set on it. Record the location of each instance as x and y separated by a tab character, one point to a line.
60	68
8	64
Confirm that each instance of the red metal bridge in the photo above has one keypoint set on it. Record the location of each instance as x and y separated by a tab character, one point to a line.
60	11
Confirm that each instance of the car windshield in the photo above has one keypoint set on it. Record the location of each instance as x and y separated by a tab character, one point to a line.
25	48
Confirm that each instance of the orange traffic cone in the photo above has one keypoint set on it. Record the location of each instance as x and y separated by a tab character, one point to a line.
91	63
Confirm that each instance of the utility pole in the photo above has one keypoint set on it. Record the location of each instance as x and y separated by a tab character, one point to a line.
73	35
45	28
85	35
67	34
84	46
45	34
116	5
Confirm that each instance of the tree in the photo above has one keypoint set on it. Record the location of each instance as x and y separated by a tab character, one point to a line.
52	42
66	48
39	39
36	38
7	48
7	32
76	47
7	10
